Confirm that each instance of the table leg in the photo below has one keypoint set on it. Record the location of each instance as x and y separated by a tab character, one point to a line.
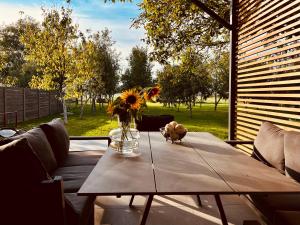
221	209
143	219
131	200
199	200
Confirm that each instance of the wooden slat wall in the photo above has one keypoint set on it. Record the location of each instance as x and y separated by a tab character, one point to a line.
268	66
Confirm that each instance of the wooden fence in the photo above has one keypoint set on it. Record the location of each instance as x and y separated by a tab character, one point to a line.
268	66
22	104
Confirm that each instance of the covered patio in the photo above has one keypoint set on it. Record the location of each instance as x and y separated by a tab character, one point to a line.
264	87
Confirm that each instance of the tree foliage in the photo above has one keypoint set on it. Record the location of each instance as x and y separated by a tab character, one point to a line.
219	69
49	48
14	71
139	72
108	63
183	83
173	26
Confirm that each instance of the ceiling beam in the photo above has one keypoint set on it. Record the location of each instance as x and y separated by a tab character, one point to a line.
212	14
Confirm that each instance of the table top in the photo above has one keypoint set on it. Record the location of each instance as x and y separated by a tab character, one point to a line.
200	164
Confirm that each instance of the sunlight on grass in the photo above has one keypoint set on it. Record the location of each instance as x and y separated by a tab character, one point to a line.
99	123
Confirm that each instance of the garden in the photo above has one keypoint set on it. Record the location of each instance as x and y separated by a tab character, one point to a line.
204	118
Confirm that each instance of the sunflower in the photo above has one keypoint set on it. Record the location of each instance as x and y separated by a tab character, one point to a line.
132	98
151	93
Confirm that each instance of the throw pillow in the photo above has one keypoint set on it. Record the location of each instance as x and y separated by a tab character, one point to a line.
19	165
40	145
58	138
269	146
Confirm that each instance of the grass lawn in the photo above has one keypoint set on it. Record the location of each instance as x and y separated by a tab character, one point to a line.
204	119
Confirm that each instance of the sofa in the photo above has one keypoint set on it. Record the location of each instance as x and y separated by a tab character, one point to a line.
40	178
279	149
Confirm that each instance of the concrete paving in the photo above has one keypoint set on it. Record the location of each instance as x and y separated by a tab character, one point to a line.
171	210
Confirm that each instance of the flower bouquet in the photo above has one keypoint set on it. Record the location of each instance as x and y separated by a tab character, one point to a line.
129	107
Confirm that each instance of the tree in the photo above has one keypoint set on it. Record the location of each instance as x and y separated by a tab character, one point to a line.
49	48
95	71
219	68
15	72
184	82
107	64
173	26
166	80
79	84
139	72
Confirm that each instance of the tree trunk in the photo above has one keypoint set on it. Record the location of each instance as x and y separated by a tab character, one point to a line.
93	105
216	103
65	110
191	109
201	99
81	108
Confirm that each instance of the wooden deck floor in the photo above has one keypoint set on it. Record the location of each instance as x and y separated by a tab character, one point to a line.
171	210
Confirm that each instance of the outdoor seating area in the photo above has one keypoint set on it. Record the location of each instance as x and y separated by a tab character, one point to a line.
164	179
65	160
48	174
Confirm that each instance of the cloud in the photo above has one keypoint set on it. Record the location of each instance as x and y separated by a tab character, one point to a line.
10	12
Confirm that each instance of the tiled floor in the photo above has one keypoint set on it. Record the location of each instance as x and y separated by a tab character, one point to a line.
171	210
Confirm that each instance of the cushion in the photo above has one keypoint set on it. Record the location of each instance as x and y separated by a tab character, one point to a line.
40	145
153	122
269	146
58	138
79	209
81	158
292	154
73	176
19	164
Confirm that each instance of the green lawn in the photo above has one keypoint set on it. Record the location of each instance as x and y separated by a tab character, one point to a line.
204	119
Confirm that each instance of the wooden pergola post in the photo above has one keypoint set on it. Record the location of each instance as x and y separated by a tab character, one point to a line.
233	70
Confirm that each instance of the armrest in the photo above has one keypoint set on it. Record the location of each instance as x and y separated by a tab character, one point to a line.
91	138
239	142
50	202
41	203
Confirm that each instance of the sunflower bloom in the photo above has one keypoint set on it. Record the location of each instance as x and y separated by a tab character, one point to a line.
132	98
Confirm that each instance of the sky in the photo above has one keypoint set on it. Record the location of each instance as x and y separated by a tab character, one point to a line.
88	14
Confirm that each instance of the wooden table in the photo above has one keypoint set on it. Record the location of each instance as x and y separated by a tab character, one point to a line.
201	164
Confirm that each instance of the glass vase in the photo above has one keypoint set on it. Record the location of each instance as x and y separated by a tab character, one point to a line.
125	138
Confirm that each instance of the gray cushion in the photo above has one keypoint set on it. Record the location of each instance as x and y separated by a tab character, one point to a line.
79	209
82	158
58	138
269	145
292	154
73	176
40	145
19	165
